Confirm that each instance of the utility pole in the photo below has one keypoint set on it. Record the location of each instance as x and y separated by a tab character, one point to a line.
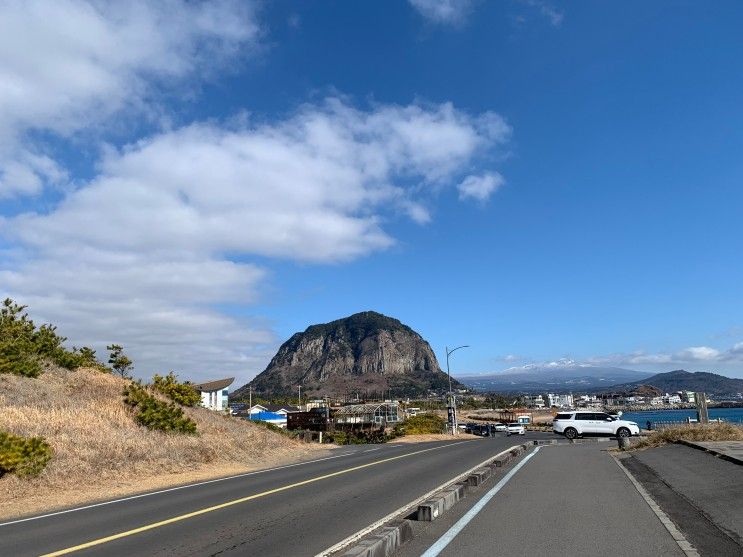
250	404
451	402
300	396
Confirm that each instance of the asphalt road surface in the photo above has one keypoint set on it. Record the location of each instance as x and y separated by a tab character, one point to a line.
702	494
297	510
563	500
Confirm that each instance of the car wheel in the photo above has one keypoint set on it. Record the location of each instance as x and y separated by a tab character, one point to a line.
571	433
624	432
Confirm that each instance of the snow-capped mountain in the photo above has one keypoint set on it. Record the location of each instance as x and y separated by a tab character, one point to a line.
558	376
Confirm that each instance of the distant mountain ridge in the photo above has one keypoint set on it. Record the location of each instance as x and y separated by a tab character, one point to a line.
365	354
557	377
680	380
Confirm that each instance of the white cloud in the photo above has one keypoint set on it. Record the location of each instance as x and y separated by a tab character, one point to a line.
686	356
143	253
448	12
547	10
69	65
699	353
307	188
480	187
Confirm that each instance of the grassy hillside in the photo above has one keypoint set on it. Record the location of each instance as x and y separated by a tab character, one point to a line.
99	449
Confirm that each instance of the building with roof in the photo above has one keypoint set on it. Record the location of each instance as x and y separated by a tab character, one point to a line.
214	393
370	414
282	409
274	418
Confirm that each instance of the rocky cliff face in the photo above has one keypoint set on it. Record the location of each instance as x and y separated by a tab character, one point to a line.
366	354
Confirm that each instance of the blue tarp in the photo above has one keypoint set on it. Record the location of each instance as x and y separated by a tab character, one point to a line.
267	417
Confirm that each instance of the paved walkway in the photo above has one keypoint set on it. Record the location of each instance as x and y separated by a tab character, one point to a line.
731	450
566	500
713	486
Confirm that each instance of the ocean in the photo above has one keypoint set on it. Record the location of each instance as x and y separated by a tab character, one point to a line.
732	415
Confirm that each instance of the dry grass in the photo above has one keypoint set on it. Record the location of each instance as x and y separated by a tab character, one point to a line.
692	432
427	437
99	450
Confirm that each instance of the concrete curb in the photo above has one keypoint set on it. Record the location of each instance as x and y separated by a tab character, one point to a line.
478	477
384	542
386	535
586	441
688	549
711	451
433	508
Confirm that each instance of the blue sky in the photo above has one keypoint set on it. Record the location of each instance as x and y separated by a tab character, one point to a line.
539	180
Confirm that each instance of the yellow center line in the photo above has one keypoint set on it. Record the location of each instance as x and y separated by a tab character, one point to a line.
154	525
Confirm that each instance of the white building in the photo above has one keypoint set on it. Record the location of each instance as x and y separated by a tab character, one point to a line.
282	409
214	393
535	401
672	399
560	401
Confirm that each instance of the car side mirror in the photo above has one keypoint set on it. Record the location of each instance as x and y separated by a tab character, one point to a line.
609	419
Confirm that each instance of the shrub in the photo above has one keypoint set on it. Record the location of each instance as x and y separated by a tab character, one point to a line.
156	414
182	393
23	346
358	437
23	456
422	424
274	428
119	361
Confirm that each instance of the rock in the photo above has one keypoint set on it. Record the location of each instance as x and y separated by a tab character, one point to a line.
365	354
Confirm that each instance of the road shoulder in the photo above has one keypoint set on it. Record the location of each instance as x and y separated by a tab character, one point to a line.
702	494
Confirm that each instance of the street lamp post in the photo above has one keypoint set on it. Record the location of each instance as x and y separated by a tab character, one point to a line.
451	403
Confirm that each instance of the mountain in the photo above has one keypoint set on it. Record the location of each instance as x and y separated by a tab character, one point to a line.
680	380
561	376
366	354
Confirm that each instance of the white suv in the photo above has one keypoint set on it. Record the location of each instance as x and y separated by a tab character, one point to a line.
574	423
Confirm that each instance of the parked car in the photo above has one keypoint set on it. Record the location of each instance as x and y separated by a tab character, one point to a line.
468	427
582	422
514	428
500	427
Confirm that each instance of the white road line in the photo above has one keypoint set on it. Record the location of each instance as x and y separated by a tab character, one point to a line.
370	450
409	506
170	489
446	539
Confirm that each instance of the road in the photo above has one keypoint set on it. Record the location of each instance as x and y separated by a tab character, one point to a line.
295	510
563	500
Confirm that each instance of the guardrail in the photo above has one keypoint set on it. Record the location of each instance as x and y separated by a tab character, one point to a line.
663	424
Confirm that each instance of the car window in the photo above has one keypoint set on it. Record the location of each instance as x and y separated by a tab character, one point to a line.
564	417
602	416
584	416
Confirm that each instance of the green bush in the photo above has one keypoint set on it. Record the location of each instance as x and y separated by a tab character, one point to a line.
24	346
22	456
358	437
421	424
156	414
182	393
274	428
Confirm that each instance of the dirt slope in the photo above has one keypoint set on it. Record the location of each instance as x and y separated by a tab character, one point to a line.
100	452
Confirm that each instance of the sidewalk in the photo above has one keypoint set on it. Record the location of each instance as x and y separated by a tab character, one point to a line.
713	486
567	500
729	450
